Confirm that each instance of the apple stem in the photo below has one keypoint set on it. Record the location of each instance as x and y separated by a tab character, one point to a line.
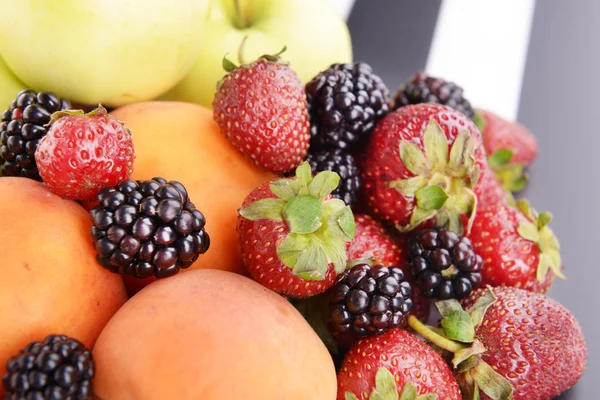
238	11
240	54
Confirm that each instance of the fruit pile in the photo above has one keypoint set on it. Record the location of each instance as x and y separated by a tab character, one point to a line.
319	238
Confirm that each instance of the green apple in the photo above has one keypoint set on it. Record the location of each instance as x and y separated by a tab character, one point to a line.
101	51
9	85
313	31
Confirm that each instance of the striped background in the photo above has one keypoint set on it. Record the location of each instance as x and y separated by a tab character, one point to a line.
538	62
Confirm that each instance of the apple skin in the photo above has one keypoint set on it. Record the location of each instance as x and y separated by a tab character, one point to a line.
9	86
315	34
112	52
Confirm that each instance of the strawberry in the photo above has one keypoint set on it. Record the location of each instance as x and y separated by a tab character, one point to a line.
421	165
373	244
293	235
261	108
84	153
510	147
509	343
395	362
489	190
517	246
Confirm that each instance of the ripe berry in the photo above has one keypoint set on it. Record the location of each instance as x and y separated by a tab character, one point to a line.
426	89
261	108
83	153
57	368
444	264
22	125
344	103
145	228
368	300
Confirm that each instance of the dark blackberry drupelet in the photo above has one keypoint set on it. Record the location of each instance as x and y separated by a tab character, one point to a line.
368	300
344	103
344	165
58	368
444	264
426	89
22	126
145	228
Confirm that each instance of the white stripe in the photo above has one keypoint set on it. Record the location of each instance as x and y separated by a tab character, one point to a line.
482	46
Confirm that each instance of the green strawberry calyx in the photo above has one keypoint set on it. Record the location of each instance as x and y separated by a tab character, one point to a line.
385	389
319	227
512	176
536	229
444	179
99	111
479	120
457	336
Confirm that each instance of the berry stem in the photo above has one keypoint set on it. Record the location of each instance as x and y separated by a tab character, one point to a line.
433	337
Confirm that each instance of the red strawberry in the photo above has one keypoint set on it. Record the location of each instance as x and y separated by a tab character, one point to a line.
510	148
517	246
293	235
383	366
374	244
510	343
84	153
421	165
489	190
261	108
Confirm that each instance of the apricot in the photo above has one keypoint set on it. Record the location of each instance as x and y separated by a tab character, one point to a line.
51	282
211	335
181	142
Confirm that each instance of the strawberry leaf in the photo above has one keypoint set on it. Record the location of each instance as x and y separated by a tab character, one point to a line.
431	197
478	309
501	158
369	261
479	120
264	209
544	219
464	354
458	326
410	186
414	160
292	247
335	250
528	230
283	188
436	145
303	175
385	386
409	392
460	154
346	222
323	184
303	214
446	307
492	383
312	263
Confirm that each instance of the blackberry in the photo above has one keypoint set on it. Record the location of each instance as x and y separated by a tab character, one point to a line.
344	165
22	126
145	228
444	264
368	300
344	103
426	89
58	368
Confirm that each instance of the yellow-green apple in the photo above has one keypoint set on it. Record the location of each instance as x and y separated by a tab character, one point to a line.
314	32
9	85
101	51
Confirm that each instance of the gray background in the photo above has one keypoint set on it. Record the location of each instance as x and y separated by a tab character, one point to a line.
559	101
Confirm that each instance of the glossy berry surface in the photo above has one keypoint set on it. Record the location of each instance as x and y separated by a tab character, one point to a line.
368	300
422	88
345	166
444	264
22	125
261	108
344	103
145	228
532	341
408	358
82	154
58	368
